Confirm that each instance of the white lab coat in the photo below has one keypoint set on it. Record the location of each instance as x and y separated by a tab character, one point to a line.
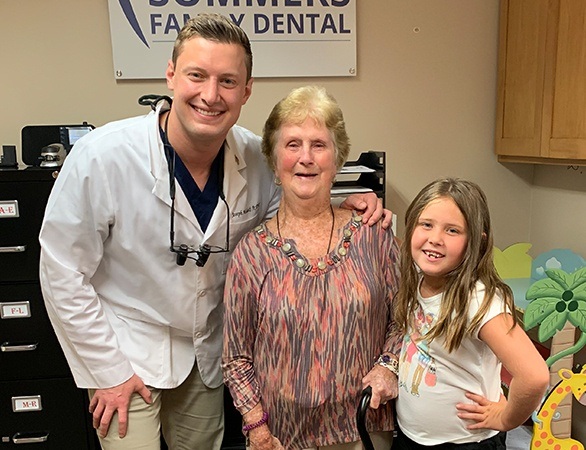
117	300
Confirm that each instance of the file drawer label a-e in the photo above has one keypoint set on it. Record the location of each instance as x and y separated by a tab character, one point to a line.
8	209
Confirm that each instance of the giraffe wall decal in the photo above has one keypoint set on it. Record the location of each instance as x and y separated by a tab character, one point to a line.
543	438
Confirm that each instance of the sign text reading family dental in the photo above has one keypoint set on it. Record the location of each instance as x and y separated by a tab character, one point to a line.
299	24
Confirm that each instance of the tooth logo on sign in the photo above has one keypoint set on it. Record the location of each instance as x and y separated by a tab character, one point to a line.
131	17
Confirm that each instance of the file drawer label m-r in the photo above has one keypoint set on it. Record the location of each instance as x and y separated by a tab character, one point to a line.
25	404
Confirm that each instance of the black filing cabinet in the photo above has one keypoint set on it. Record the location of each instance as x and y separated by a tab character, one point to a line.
40	406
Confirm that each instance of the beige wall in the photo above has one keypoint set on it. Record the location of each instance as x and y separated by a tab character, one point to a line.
427	98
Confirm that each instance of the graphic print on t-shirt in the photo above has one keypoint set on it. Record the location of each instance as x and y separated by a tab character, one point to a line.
416	364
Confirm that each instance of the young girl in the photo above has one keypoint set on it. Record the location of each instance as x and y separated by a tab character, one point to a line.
458	320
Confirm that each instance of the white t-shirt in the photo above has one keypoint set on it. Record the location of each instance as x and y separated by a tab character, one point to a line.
432	381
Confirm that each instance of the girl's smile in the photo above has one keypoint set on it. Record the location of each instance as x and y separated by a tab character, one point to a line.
439	241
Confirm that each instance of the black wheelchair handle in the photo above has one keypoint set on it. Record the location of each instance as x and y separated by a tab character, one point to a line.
361	418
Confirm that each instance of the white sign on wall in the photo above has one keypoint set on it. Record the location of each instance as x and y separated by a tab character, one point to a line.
289	38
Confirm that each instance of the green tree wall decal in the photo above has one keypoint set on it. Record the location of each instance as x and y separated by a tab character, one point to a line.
555	300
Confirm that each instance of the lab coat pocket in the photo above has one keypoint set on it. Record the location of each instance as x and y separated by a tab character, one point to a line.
144	339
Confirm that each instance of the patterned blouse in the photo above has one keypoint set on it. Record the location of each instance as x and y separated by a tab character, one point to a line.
300	334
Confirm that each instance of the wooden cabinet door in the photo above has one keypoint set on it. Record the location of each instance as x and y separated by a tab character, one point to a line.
564	118
521	69
541	103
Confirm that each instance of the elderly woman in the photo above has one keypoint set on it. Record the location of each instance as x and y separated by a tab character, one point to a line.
307	321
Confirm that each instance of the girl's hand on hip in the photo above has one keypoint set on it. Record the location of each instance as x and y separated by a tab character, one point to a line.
483	412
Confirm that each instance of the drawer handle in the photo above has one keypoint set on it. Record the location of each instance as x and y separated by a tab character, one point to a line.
30	438
21	347
13	249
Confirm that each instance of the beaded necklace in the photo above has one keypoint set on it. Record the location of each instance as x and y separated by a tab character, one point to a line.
331	231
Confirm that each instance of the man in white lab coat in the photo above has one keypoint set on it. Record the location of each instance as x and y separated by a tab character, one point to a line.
133	275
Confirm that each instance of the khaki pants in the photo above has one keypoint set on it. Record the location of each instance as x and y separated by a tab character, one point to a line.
191	417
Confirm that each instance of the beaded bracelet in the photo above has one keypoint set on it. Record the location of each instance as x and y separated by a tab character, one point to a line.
251	426
389	363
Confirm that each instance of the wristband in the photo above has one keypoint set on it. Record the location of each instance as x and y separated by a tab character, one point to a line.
389	363
251	426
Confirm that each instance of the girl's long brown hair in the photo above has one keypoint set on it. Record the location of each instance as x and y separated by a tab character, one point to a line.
477	264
